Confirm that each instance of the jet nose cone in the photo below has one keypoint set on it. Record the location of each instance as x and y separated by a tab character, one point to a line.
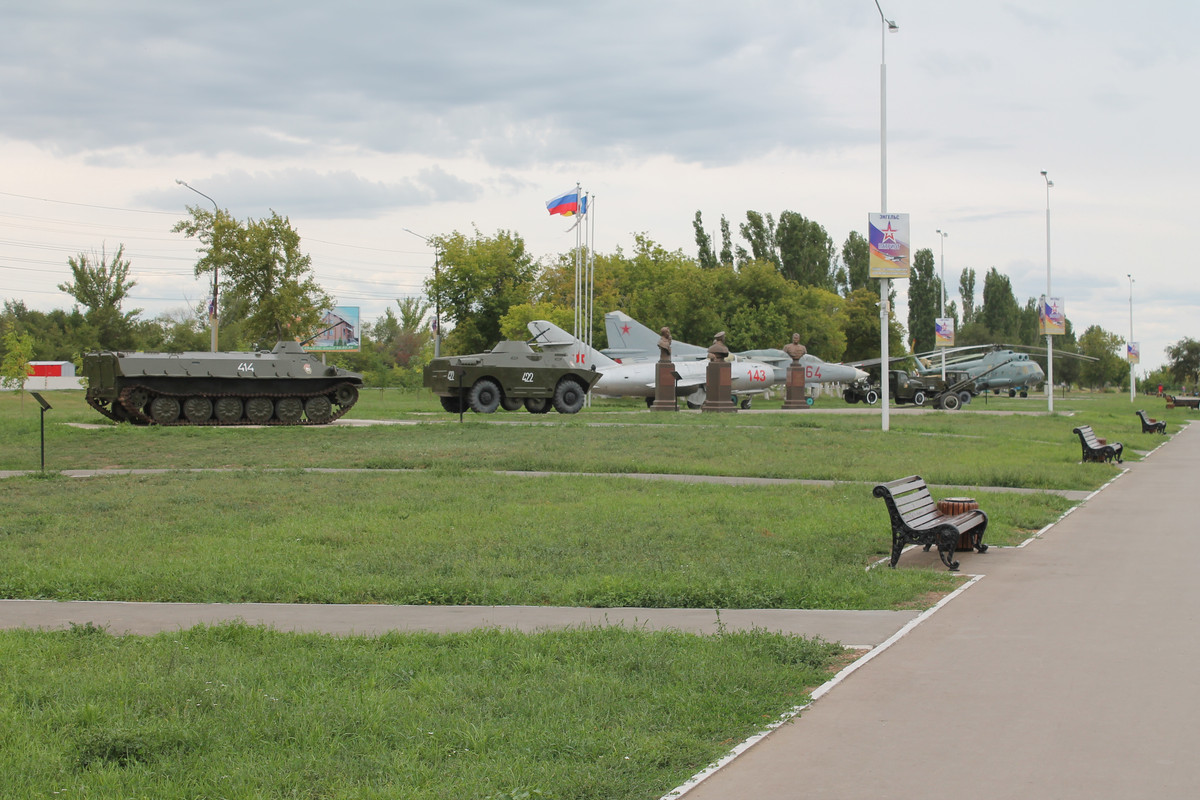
859	375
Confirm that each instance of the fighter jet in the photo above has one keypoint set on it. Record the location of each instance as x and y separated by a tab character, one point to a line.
630	341
636	378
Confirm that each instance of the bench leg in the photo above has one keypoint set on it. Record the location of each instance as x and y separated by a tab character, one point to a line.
897	548
947	543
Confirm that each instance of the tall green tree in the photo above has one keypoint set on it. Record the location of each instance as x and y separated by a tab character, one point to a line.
1000	313
806	252
726	244
101	285
924	301
262	272
479	279
1108	368
862	327
1184	361
856	255
759	232
966	290
704	244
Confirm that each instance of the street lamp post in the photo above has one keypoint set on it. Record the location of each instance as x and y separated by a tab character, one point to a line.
887	26
1049	338
942	241
437	308
212	309
1128	348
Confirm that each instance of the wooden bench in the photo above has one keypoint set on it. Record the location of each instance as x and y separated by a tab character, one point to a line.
917	520
1151	425
1184	402
1096	450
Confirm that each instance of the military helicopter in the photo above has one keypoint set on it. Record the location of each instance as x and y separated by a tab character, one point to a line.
1001	366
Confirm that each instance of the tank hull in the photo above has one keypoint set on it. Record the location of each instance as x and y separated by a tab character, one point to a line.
283	386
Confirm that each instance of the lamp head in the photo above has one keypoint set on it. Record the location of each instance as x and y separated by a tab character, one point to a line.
892	26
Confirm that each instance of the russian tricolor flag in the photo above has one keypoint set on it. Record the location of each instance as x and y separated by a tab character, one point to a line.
565	204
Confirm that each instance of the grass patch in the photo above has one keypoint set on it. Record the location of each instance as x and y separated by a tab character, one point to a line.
235	711
475	538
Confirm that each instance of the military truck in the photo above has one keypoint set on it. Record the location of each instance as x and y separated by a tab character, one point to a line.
510	375
282	386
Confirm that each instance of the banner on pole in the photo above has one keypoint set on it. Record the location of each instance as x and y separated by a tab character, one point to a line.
1052	319
944	332
889	245
1133	353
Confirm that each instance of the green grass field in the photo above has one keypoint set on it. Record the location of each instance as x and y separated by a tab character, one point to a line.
433	517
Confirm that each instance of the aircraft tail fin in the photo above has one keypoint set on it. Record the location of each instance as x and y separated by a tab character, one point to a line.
554	339
631	338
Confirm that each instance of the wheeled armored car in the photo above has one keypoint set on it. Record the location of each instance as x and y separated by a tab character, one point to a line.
510	375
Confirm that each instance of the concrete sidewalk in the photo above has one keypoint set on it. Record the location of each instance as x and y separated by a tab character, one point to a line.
1068	671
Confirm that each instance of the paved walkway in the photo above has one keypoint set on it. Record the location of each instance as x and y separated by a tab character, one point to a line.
1068	671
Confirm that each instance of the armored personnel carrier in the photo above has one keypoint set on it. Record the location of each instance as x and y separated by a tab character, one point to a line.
283	386
510	375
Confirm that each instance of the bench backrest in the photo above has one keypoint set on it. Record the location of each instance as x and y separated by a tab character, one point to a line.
908	498
1088	435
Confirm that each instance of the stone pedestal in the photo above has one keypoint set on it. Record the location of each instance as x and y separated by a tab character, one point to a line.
719	387
793	397
664	387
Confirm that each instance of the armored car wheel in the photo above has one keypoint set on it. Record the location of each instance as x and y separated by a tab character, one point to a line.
164	410
484	396
259	410
289	410
228	409
511	403
318	409
568	396
537	405
197	409
452	403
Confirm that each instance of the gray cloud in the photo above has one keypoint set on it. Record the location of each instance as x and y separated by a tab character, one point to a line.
517	82
307	193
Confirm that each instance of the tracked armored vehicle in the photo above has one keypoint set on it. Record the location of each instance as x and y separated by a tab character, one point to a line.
510	375
283	386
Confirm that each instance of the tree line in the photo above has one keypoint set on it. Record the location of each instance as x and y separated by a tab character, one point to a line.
782	276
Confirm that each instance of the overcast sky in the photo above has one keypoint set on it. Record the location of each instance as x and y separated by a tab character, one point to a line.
360	119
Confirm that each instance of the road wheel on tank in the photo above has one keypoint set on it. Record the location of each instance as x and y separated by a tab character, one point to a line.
137	398
511	403
289	410
949	401
259	410
198	409
346	395
872	397
164	410
484	396
452	403
568	396
537	405
318	409
228	410
918	399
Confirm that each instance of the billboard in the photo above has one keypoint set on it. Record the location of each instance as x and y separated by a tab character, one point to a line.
1052	319
339	332
1133	353
943	332
888	236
